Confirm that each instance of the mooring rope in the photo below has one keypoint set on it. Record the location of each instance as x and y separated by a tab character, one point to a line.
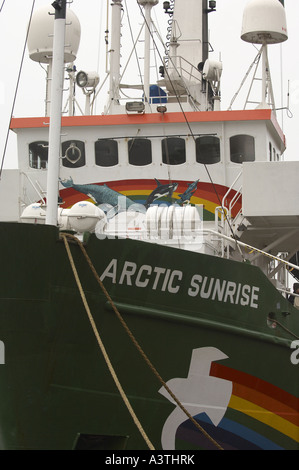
65	236
102	347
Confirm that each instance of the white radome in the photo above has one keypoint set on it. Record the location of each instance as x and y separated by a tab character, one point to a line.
40	38
148	2
264	22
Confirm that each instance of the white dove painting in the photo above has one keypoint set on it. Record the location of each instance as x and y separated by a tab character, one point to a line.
198	393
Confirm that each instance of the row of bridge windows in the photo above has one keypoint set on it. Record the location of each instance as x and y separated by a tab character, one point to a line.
242	149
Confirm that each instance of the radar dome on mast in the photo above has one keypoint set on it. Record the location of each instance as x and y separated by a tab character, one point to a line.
148	2
40	38
264	22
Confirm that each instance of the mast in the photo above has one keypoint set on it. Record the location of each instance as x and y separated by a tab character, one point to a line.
55	114
189	52
147	10
187	29
147	5
115	53
205	31
264	23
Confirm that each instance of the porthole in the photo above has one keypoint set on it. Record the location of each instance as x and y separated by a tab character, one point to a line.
73	154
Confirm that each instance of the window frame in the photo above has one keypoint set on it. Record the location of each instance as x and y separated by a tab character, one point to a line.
208	160
243	146
45	145
167	159
148	155
114	157
66	163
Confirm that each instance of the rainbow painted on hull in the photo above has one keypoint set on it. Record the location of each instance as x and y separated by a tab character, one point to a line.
140	190
259	415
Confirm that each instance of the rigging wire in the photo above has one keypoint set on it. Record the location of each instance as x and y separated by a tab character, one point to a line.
191	131
17	87
134	44
140	73
2	6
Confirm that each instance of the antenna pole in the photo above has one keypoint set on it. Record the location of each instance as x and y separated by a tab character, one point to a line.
115	53
147	10
205	31
55	114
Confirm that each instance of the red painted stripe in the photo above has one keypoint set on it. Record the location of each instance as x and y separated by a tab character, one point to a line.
256	385
124	119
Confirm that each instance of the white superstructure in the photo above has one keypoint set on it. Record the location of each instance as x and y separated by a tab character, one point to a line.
170	143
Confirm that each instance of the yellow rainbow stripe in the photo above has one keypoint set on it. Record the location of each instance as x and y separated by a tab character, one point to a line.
265	417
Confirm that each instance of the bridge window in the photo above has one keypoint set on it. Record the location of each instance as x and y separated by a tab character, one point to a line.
38	155
140	152
208	150
173	151
242	148
106	152
73	154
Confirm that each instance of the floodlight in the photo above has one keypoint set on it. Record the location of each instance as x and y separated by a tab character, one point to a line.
87	79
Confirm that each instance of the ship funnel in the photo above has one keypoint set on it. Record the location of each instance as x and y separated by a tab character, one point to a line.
264	22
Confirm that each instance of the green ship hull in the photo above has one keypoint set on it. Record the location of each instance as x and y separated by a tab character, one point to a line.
56	389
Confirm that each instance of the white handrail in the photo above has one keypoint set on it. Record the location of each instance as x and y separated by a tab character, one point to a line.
230	188
245	245
32	184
